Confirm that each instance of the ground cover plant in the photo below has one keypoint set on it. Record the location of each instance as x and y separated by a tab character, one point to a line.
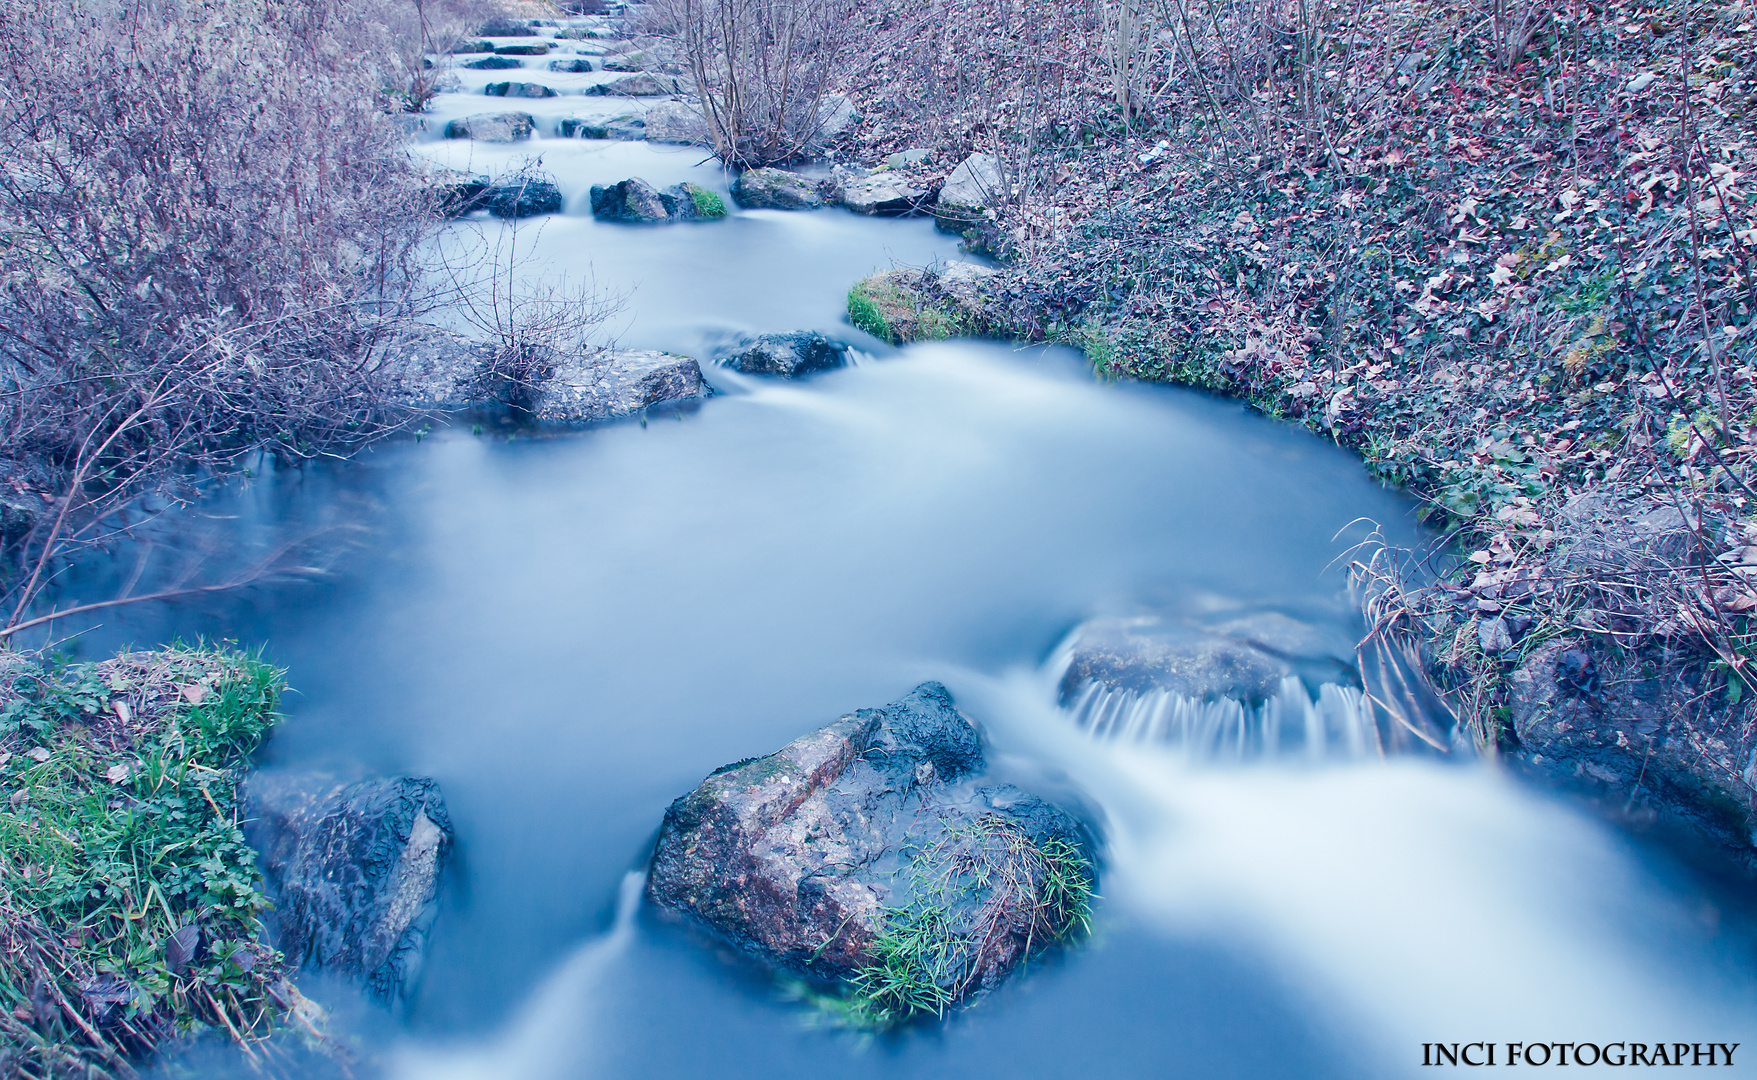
131	901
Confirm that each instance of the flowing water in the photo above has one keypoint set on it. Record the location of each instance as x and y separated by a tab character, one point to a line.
568	630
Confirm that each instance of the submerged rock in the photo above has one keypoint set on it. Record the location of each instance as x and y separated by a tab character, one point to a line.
1149	653
788	355
355	869
495	63
492	127
619	382
518	89
537	49
577	65
626	127
642	85
877	834
775	189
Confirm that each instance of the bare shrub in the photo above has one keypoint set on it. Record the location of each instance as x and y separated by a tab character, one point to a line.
762	69
209	228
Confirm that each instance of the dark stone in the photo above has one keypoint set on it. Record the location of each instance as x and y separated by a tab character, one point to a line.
492	127
518	89
627	127
507	28
539	49
575	66
465	48
802	856
462	194
775	189
788	355
355	871
640	85
495	63
522	198
629	200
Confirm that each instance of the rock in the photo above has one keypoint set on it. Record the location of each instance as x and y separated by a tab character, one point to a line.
637	61
675	122
630	200
904	159
602	386
788	355
905	305
641	85
495	63
888	193
775	189
836	115
459	193
971	189
429	367
575	66
465	48
1149	653
518	89
522	198
878	825
492	127
692	202
507	28
627	126
1494	636
540	48
355	870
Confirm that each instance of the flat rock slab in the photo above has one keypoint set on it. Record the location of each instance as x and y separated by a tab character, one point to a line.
492	127
641	85
775	189
619	382
355	869
881	193
875	822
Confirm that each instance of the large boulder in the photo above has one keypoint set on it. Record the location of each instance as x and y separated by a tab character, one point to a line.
518	89
676	122
492	127
788	355
635	200
355	869
775	189
619	382
522	197
495	63
874	851
887	192
836	115
627	127
641	85
970	190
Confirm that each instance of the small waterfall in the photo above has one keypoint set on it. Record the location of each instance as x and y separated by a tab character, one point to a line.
1337	724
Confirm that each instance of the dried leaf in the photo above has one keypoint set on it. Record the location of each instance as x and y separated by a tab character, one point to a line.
37	754
116	774
180	948
194	693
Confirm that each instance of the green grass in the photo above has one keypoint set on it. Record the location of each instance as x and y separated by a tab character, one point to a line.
707	203
129	899
864	313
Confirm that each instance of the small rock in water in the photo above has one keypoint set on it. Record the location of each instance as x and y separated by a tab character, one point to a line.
886	193
492	127
537	49
518	89
635	200
625	127
507	28
639	61
1145	654
460	193
878	836
788	355
465	48
620	382
521	198
775	189
641	85
355	870
495	63
577	65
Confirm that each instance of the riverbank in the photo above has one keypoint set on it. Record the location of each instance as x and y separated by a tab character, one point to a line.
1511	268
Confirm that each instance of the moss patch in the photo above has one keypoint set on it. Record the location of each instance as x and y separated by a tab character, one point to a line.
707	203
130	902
895	306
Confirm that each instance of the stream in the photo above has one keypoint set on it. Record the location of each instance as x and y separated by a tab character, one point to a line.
569	629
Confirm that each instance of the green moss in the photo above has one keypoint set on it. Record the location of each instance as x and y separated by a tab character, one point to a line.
707	203
126	878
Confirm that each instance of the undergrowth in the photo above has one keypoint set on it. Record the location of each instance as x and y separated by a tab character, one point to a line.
131	902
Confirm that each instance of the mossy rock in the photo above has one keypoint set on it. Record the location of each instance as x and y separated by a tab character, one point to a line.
707	203
898	306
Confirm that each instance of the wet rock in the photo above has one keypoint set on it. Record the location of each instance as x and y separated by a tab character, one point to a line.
971	188
537	49
508	28
641	85
788	355
492	127
355	870
518	89
632	200
466	48
886	193
692	202
881	821
577	65
621	382
627	127
676	122
904	159
522	198
495	63
645	60
775	189
905	305
459	192
429	367
1150	653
